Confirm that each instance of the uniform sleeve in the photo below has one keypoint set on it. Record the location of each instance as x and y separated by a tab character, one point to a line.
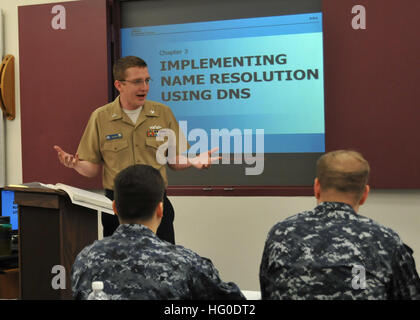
263	273
79	286
89	146
207	285
405	279
273	273
268	272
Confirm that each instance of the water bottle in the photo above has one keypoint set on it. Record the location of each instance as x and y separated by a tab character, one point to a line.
97	291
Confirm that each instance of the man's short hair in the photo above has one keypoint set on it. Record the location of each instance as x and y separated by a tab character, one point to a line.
138	189
344	171
122	64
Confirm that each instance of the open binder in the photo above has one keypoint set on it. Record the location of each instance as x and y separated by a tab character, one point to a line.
84	198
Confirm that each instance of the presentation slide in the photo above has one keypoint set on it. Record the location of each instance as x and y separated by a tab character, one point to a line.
248	76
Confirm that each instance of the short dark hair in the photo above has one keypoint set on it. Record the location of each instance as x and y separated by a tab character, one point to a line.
122	64
138	189
344	171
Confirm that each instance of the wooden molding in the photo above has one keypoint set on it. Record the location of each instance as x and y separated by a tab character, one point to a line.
7	87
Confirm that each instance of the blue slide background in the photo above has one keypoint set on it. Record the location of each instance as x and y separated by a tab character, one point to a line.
290	112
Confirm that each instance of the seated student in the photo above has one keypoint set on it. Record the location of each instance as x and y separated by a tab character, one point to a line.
332	252
134	263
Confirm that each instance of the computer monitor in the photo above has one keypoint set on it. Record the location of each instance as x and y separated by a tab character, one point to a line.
9	209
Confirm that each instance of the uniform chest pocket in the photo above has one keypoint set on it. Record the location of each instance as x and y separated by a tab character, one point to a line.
115	146
116	155
153	143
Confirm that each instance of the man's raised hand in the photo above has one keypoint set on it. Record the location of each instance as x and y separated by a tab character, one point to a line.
67	159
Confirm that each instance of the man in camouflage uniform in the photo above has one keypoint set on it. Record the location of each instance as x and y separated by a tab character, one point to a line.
134	263
332	252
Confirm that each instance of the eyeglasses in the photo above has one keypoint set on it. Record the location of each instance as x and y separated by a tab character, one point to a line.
138	82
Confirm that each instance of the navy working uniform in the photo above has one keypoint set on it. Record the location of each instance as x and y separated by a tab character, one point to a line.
134	263
334	253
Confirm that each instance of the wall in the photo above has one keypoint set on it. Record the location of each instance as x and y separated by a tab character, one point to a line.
230	231
13	128
72	51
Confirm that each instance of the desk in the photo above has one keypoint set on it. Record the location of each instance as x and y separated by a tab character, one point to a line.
252	295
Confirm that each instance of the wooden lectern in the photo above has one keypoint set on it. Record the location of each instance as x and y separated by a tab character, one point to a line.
52	231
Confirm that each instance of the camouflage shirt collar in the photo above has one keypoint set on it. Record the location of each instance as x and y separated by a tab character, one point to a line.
335	209
132	229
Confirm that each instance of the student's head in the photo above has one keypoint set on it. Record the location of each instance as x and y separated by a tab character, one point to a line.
131	79
342	174
138	193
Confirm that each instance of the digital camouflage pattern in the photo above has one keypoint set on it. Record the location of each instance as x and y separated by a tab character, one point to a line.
311	255
134	263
